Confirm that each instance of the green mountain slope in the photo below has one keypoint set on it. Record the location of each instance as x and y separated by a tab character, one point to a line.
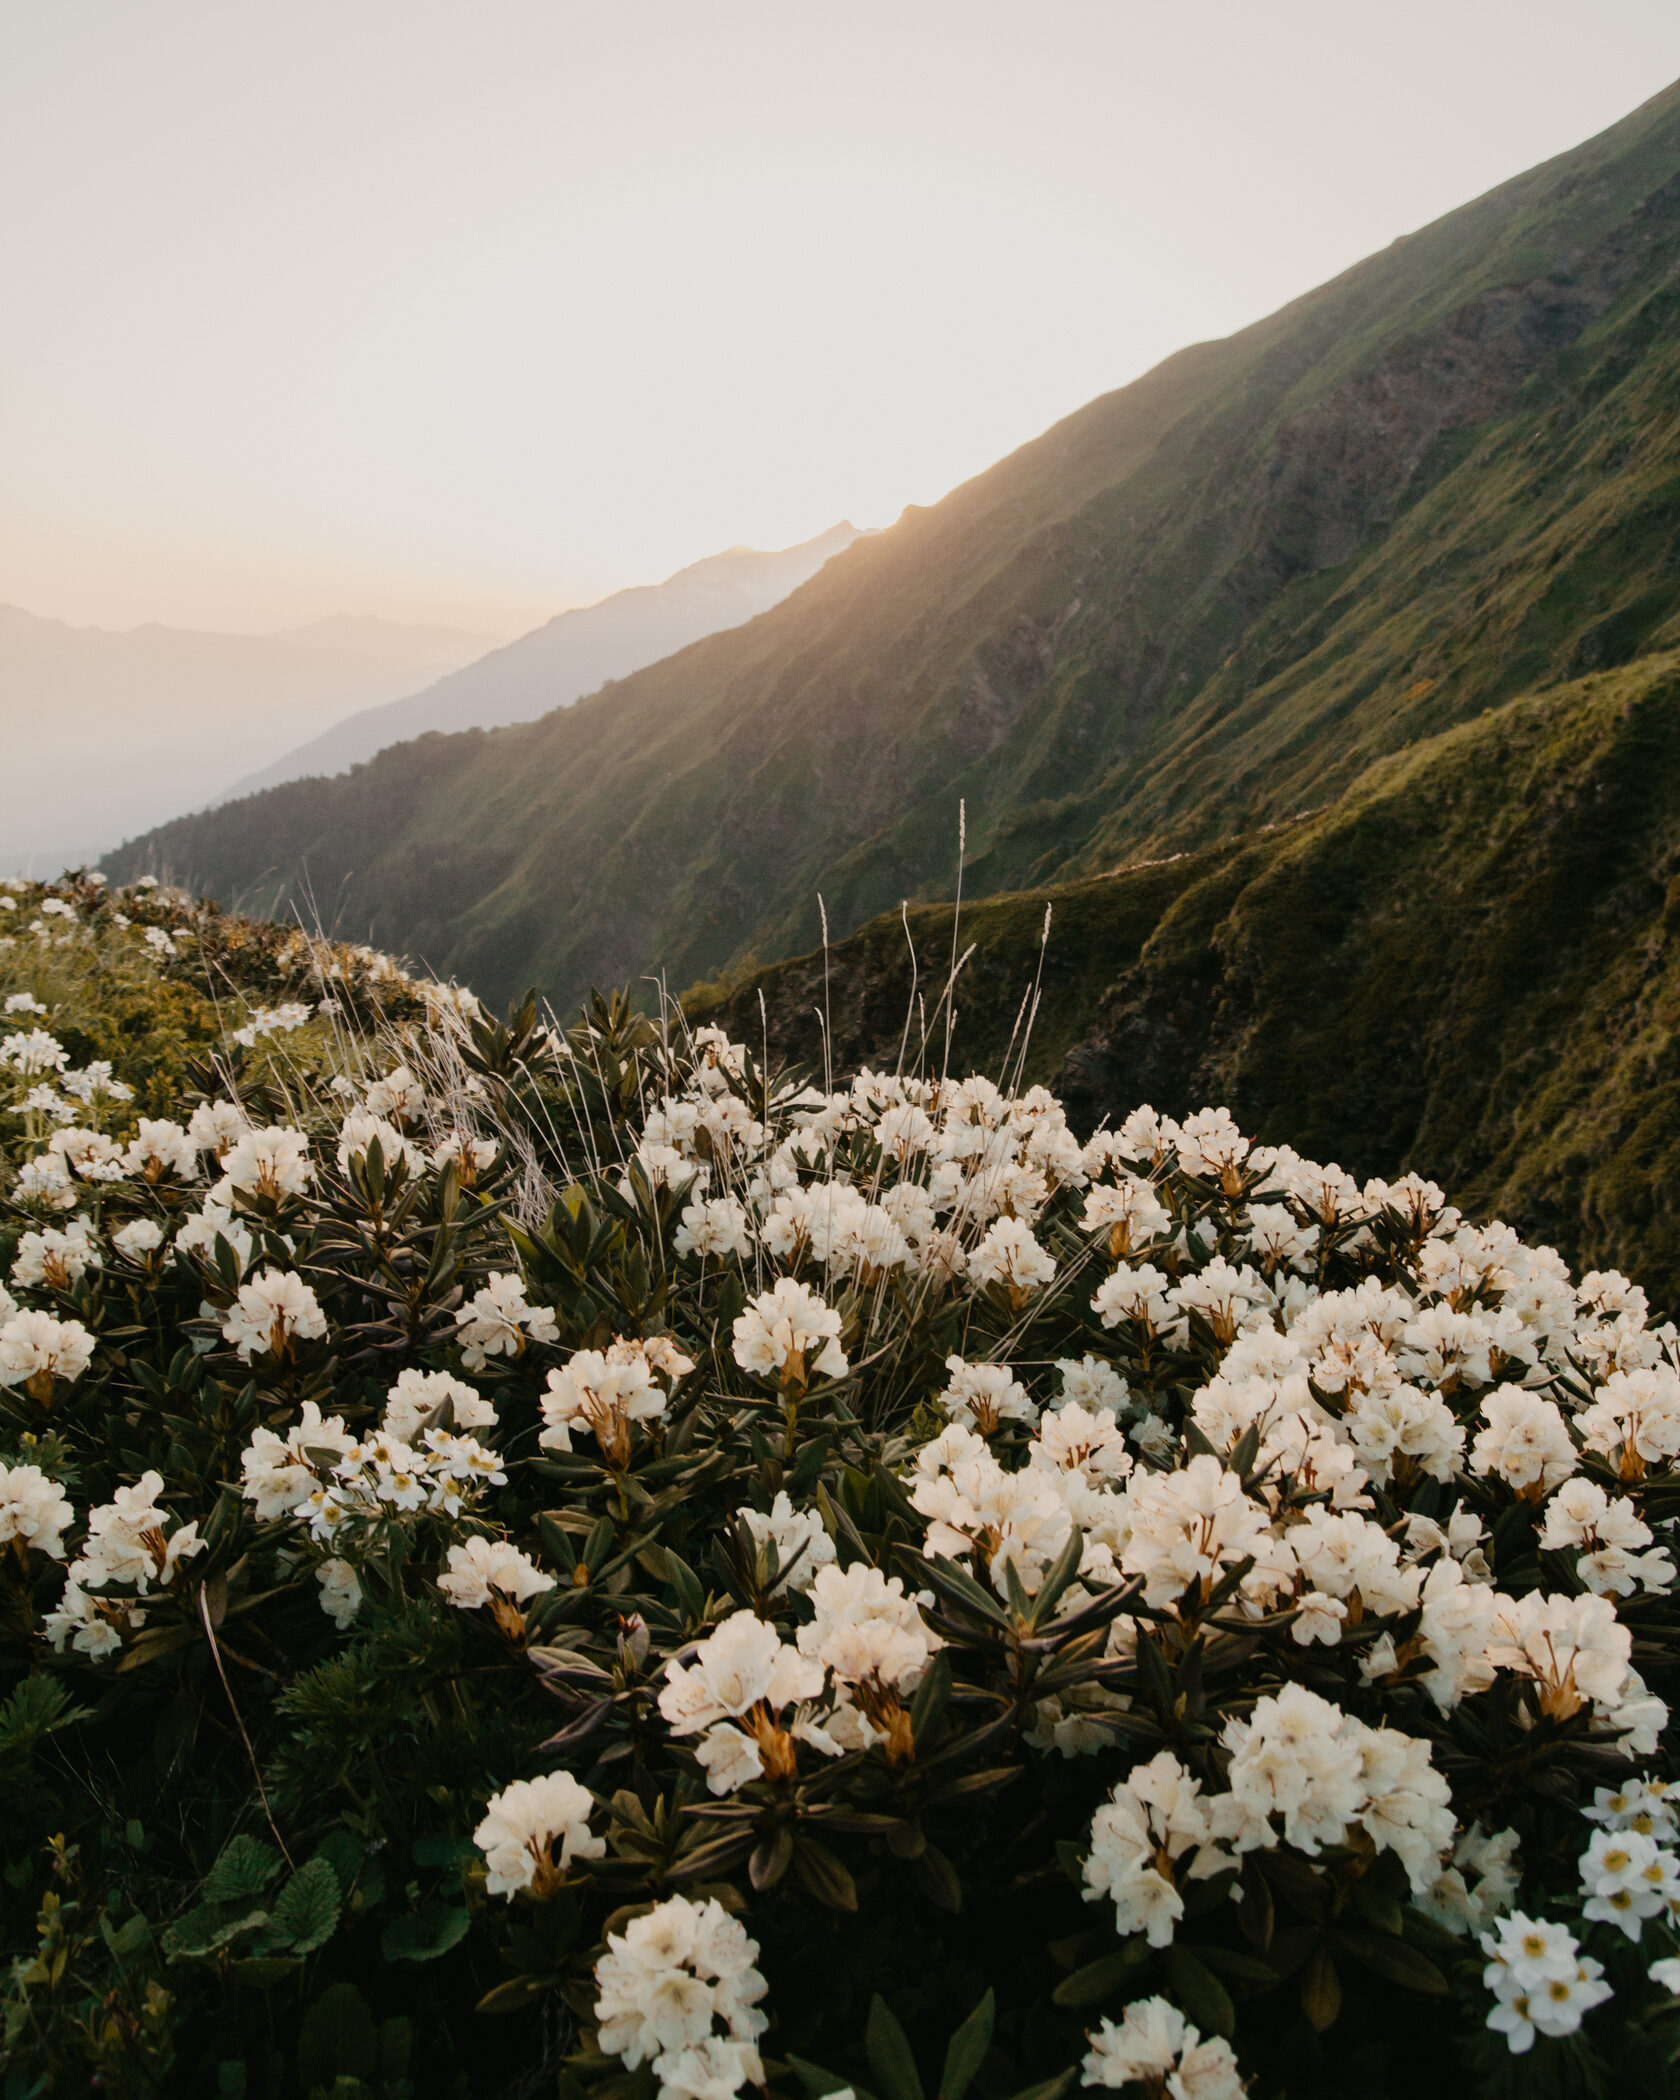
1469	964
1204	601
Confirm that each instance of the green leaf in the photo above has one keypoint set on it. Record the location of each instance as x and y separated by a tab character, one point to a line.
937	1879
888	2049
931	1695
967	2050
425	1933
209	1927
1321	1991
1395	1962
824	1876
1051	2088
1199	1993
1100	1980
259	1971
337	2038
245	1868
39	1707
819	2083
441	1848
305	1914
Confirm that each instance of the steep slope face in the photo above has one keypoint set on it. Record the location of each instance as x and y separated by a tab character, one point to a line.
1210	597
571	654
1470	965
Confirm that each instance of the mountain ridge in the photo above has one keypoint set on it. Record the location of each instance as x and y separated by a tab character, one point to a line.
1191	606
571	654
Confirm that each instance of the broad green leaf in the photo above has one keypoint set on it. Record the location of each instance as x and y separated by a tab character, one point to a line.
245	1868
337	2039
305	1913
209	1927
425	1933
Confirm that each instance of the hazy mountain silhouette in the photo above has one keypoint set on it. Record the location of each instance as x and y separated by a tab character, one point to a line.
570	655
106	730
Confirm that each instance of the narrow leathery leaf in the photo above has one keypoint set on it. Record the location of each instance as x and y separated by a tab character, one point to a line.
1321	1991
937	1879
888	2049
1051	2088
819	2083
1395	1962
1152	1667
1019	1602
260	1971
966	2051
771	1857
823	1875
1232	1963
513	1995
1100	1980
978	1782
1200	1994
1256	1916
1057	1576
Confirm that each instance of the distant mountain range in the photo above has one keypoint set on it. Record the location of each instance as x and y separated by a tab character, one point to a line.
572	654
105	732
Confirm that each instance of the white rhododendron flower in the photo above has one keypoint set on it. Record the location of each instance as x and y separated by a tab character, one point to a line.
273	1311
714	1229
469	1156
36	1350
500	1322
129	1540
680	1981
270	1163
341	1591
162	1149
397	1098
357	1135
53	1260
1155	2047
605	1392
483	1571
199	1232
417	1401
1012	1260
216	1126
984	1396
803	1547
33	1512
138	1239
532	1832
789	1335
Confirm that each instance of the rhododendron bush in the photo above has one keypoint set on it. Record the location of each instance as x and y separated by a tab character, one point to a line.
570	1562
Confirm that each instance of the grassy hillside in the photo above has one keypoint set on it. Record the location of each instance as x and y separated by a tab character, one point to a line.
1205	601
1469	964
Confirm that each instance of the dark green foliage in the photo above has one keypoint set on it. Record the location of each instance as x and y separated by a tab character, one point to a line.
1465	966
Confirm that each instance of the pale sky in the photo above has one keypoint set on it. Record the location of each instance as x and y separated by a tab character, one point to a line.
468	310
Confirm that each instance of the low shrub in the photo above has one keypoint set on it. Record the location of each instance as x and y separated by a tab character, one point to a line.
564	1562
